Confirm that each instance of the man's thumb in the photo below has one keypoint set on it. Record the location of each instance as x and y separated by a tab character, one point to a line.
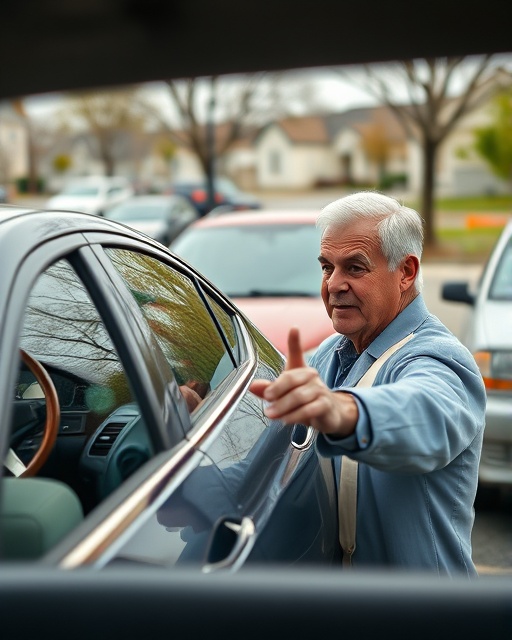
295	357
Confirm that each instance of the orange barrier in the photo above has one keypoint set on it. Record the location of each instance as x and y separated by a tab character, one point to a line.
479	220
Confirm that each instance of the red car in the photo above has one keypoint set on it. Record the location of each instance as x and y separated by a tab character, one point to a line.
267	262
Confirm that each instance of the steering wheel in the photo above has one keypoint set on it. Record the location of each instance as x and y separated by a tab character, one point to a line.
51	426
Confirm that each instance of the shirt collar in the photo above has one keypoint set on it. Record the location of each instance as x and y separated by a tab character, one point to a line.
406	322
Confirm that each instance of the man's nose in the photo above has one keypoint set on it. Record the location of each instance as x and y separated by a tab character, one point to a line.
337	282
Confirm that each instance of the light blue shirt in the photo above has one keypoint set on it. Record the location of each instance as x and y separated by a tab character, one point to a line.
418	443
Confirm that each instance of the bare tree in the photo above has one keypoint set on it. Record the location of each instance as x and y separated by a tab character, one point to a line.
108	116
212	113
433	97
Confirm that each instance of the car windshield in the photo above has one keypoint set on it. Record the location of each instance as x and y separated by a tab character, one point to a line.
80	190
256	260
152	211
226	186
501	288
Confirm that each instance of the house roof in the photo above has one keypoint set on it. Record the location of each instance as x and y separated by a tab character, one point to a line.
323	129
9	114
305	130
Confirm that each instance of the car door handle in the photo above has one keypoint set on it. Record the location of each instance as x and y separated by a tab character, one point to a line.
231	543
302	437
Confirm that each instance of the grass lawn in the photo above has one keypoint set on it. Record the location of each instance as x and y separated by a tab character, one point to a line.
467	242
465	245
488	204
502	204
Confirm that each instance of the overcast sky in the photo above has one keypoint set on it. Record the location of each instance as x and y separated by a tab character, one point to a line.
330	90
326	88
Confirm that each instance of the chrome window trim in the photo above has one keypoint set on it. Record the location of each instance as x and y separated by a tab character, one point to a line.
219	409
104	539
94	548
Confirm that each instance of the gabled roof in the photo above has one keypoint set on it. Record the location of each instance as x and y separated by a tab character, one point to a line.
9	114
323	129
305	130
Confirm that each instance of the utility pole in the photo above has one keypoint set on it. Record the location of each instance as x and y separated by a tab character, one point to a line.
210	145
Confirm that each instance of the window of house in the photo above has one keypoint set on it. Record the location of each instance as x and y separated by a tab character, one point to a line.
274	162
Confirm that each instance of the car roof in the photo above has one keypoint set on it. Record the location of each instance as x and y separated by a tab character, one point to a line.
126	42
259	217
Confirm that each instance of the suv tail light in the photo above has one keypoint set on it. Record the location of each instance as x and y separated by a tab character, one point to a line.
496	369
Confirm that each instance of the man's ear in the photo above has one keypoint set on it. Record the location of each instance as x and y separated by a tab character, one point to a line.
410	267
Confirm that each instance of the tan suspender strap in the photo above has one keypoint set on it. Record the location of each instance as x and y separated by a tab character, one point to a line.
347	500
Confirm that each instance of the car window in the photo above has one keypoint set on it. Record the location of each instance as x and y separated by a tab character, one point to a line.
501	287
63	332
178	318
233	478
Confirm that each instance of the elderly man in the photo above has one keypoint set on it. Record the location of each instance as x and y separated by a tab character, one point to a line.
416	433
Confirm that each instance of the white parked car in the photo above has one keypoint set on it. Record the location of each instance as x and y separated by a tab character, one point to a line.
92	194
488	334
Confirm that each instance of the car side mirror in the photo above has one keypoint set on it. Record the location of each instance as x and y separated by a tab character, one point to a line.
457	292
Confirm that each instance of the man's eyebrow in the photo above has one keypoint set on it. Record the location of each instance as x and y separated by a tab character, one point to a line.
357	255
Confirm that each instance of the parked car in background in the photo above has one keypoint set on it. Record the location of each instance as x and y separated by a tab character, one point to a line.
3	195
124	399
226	193
160	217
267	263
92	194
488	334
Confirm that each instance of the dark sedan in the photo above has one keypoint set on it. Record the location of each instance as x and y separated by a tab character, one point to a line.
161	217
132	437
226	194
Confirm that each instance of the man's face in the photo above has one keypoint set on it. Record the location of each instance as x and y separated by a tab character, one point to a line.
360	294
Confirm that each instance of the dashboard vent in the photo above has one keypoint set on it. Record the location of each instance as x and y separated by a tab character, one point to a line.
106	438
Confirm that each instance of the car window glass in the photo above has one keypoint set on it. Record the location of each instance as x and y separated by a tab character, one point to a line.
501	287
233	478
178	318
63	331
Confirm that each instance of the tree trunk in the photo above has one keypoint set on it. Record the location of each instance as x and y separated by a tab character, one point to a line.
427	192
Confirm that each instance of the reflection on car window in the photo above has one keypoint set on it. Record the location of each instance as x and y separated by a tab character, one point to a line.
501	288
179	320
63	331
62	327
233	477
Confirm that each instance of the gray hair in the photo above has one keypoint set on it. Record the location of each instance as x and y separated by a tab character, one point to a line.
400	228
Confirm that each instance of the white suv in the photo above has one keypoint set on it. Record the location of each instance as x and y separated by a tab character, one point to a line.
93	194
488	335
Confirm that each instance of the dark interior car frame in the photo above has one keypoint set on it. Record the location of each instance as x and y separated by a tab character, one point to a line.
58	46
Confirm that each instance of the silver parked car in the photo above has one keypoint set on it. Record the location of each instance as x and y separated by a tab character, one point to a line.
92	194
488	334
161	217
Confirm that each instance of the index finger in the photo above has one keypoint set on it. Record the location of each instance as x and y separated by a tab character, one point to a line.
295	357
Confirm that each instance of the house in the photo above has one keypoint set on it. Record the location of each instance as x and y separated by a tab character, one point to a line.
13	145
368	147
357	146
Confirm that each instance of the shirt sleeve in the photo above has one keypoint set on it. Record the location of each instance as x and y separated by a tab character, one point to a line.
422	412
360	439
